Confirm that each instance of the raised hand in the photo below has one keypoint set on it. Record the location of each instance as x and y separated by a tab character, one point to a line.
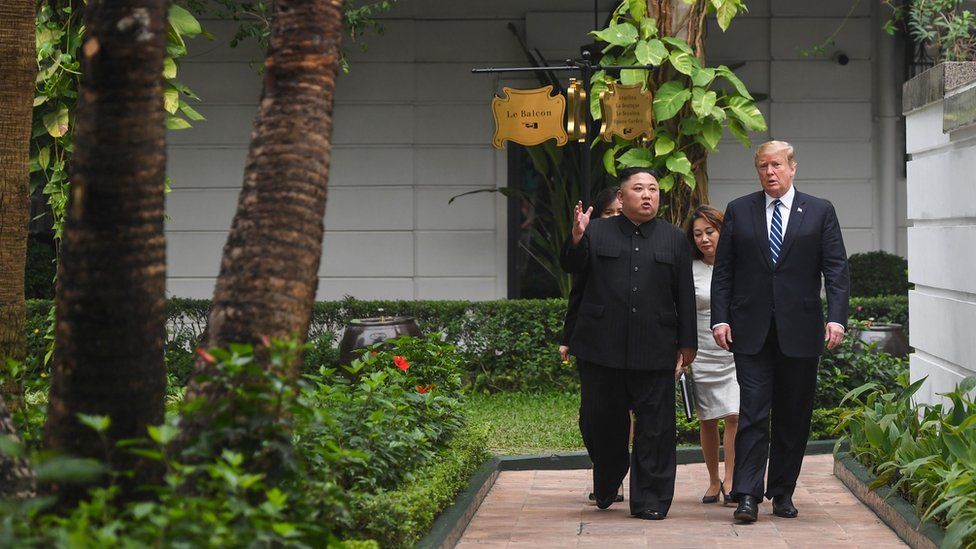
581	220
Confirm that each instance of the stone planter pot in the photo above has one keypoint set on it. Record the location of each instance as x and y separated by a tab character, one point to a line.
889	338
363	332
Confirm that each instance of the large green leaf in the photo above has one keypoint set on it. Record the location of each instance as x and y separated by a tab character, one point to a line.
610	161
703	101
598	87
648	27
56	122
702	76
637	8
666	183
618	34
671	96
169	68
663	144
726	11
727	74
633	76
176	123
638	157
690	126
747	113
682	62
651	52
740	133
711	132
679	163
678	43
689	179
183	21
171	99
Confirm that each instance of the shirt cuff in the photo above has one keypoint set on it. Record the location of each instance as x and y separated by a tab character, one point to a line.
839	325
719	324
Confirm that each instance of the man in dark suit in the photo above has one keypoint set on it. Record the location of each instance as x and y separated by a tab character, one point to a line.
636	316
775	246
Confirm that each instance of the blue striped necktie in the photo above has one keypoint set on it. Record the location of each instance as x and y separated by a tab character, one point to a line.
776	232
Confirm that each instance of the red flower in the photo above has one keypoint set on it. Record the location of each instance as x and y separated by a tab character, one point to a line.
401	363
373	353
859	308
206	356
421	389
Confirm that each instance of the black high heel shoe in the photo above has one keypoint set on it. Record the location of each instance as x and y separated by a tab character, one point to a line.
714	499
726	498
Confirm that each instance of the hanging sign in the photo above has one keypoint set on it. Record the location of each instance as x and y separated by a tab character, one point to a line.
628	112
529	117
576	96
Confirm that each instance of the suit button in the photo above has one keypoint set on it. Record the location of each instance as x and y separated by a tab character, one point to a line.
635	288
636	249
634	310
635	268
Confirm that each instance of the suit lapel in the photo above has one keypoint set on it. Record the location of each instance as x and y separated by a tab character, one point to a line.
759	225
793	227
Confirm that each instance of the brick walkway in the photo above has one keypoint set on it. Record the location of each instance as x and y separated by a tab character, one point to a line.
542	509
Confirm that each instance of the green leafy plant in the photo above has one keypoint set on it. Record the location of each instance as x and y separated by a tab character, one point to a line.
60	33
691	111
927	453
343	449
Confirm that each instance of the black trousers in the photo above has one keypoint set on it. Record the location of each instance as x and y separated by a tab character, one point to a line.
771	383
608	395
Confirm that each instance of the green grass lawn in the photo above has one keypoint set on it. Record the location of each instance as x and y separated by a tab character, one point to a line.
525	423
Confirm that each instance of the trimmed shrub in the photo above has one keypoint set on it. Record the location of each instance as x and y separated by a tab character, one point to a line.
505	344
878	273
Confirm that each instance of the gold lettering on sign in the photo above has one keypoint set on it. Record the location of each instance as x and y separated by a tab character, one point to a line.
628	112
528	117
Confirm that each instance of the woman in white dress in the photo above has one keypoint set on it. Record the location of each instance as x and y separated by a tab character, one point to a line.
713	371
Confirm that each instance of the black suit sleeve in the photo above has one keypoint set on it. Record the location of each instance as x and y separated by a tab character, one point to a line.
685	295
723	271
572	307
837	283
574	259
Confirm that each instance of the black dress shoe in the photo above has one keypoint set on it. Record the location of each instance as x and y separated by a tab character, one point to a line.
603	503
647	514
617	498
748	509
783	506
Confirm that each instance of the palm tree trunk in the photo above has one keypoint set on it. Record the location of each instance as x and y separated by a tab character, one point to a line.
269	272
685	21
111	292
18	68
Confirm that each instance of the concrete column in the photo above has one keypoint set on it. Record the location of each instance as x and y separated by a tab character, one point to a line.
887	79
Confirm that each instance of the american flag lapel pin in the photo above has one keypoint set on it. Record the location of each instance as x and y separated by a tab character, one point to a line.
799	210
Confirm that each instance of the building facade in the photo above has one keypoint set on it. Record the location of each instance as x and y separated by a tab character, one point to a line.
413	129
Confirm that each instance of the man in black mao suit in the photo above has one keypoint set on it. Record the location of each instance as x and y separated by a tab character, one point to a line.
637	313
775	245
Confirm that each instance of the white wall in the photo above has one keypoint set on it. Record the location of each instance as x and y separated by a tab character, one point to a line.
942	209
413	128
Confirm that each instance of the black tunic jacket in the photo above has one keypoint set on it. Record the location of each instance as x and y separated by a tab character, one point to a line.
638	304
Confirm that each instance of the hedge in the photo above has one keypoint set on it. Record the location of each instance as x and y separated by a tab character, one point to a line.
507	344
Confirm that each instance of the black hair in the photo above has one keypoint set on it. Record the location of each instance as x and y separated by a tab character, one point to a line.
626	173
603	199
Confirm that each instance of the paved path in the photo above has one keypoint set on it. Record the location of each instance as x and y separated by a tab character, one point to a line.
542	509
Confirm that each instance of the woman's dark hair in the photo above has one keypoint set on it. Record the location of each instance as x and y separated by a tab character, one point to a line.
712	216
603	199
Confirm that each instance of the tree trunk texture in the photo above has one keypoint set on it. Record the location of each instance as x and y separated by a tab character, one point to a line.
111	295
687	22
16	476
269	271
18	69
